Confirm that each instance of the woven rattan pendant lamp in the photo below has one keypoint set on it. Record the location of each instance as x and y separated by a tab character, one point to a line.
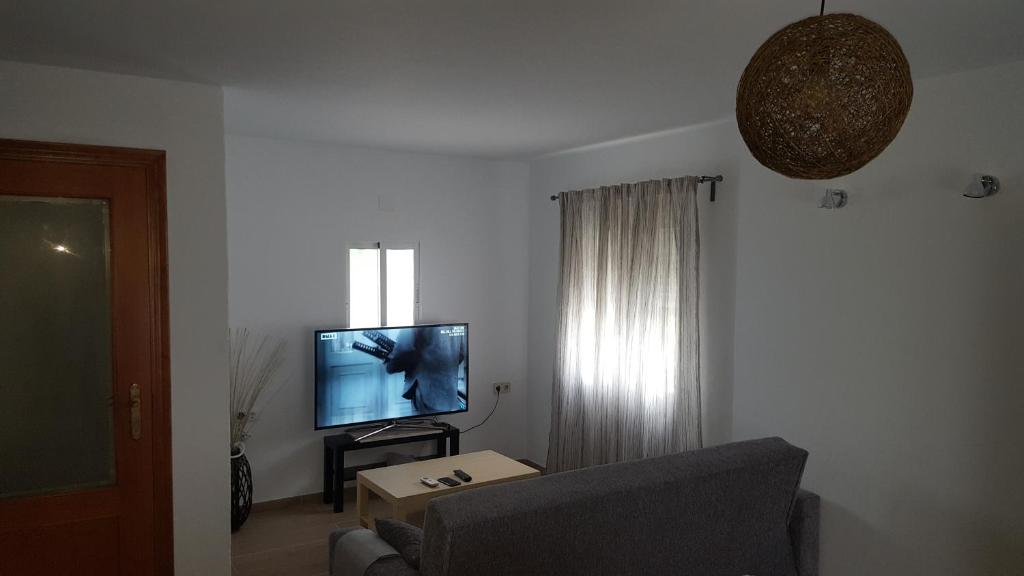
824	96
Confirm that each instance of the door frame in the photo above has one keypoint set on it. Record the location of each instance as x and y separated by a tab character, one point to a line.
153	162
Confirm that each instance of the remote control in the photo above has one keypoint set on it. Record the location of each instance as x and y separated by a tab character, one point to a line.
463	476
428	482
449	481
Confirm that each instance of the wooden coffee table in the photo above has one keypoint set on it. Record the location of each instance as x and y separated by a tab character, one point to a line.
400	485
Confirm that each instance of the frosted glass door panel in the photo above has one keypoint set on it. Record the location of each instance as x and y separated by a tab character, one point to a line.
56	384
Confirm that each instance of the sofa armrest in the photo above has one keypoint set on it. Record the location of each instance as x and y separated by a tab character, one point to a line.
803	532
394	566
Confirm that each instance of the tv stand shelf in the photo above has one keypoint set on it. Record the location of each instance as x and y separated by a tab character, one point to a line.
335	446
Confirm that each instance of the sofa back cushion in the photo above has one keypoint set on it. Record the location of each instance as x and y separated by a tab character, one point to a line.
717	511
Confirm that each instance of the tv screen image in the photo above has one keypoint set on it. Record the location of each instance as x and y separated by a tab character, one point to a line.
368	375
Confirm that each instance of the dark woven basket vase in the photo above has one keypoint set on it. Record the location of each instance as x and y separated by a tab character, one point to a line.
824	96
241	491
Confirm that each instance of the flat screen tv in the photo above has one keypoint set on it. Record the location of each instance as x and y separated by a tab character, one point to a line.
366	375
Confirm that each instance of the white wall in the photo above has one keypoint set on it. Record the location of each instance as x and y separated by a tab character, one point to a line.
292	207
707	149
884	337
186	120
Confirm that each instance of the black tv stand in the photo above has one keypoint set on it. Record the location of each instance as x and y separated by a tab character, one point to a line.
445	435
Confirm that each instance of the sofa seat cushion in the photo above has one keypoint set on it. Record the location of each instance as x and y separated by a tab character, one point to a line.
386	565
404	537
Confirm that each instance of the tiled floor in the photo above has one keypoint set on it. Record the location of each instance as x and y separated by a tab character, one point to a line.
289	539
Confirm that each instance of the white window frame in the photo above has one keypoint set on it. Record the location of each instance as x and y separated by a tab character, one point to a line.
382	251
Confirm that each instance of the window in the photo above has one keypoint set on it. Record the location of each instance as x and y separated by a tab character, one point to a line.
383	285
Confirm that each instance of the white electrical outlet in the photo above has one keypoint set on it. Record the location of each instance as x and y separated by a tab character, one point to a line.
502	387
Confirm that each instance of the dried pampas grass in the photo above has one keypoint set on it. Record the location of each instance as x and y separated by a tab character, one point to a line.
256	362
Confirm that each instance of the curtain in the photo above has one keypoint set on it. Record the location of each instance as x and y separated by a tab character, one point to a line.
627	363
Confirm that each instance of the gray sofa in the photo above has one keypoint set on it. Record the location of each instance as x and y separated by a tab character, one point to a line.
725	511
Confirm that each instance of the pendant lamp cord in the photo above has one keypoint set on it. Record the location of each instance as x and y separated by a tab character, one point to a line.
822	13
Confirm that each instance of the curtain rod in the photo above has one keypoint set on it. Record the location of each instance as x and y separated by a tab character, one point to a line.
700	180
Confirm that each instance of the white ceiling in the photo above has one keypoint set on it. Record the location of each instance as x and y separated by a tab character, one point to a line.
499	78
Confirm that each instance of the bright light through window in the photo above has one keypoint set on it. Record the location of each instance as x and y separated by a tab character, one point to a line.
363	287
401	289
382	285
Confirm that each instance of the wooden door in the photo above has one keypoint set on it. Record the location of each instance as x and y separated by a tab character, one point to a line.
84	390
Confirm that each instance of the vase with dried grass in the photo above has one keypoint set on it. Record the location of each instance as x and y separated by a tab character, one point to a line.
255	366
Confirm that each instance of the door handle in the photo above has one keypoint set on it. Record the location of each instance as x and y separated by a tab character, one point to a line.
135	398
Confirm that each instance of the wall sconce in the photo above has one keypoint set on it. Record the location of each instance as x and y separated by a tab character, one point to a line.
833	199
982	185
